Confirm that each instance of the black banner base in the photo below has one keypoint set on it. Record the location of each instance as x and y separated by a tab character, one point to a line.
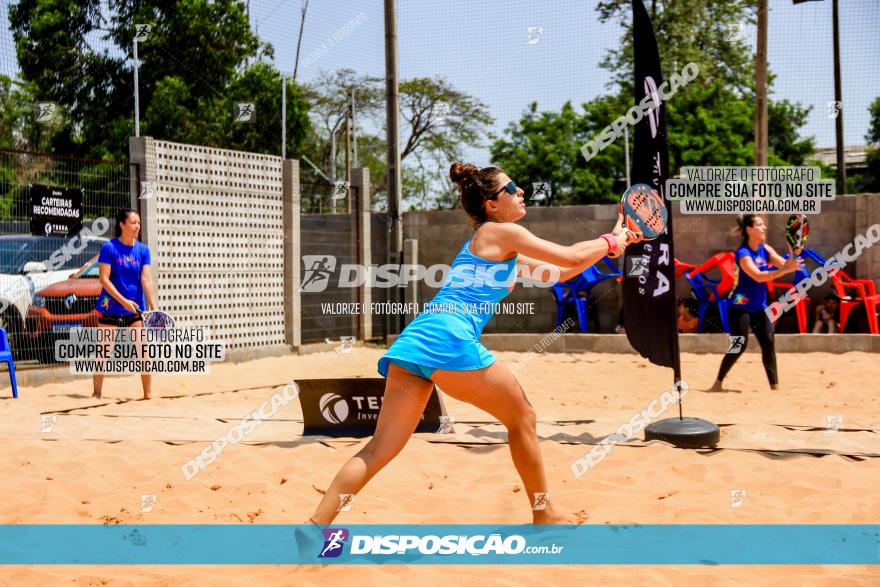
684	432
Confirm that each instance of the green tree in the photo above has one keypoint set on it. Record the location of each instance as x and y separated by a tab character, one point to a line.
870	180
710	121
18	126
438	123
192	67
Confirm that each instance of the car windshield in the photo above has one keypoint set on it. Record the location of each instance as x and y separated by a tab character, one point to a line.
9	253
90	271
43	248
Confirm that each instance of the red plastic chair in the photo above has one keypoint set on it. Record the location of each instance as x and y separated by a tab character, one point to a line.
802	308
681	268
867	296
725	262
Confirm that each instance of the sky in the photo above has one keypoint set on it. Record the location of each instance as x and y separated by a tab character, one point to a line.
480	48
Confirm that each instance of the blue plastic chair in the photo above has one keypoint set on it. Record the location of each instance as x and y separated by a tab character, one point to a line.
567	293
706	291
6	356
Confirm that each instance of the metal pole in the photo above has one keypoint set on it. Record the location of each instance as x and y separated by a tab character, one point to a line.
626	152
841	163
333	156
348	160
761	88
354	140
283	116
137	100
392	110
299	40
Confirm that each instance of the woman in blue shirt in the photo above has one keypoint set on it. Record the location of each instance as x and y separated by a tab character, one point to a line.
124	273
748	296
442	345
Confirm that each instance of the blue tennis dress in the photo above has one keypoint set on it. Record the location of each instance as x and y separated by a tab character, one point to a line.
446	335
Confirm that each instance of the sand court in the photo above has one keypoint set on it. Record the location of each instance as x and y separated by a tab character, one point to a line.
777	458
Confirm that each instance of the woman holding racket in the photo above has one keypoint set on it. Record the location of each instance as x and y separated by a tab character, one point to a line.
443	346
124	273
749	296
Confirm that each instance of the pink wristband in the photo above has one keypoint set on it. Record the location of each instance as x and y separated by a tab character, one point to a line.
612	242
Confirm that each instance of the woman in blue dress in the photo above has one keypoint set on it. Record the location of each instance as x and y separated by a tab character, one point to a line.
442	345
748	297
127	287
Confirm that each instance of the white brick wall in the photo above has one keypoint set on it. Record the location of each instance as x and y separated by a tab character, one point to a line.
215	233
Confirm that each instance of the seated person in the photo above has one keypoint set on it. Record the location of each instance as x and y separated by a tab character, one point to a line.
687	316
826	315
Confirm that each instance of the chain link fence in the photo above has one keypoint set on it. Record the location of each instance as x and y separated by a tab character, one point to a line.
49	279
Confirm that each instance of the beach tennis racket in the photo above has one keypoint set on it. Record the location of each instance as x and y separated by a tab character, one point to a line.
797	229
644	212
157	320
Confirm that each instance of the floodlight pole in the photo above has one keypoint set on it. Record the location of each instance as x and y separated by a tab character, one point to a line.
838	96
392	110
137	100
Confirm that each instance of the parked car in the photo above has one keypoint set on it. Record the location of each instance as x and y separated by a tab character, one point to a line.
60	307
31	263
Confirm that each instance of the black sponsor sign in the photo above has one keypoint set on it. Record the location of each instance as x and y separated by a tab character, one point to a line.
649	302
55	211
350	407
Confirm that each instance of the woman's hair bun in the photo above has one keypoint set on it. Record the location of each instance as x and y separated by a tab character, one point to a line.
459	172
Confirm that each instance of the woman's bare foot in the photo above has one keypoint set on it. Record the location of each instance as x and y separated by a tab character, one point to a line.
718	386
551	516
96	394
774	386
147	396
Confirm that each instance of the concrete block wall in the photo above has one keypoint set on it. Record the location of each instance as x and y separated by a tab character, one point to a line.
441	234
215	228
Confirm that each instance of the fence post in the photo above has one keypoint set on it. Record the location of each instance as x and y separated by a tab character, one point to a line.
142	153
360	181
411	257
291	210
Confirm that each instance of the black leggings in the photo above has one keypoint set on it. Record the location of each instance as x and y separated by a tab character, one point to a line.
740	321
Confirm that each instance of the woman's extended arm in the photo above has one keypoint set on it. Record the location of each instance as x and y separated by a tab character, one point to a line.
147	284
790	265
519	240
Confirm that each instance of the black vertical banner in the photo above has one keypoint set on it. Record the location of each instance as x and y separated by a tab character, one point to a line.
649	298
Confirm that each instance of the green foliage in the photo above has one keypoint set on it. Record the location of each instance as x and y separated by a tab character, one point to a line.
710	120
429	142
193	65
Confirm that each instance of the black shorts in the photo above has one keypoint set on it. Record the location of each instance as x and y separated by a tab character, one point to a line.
120	321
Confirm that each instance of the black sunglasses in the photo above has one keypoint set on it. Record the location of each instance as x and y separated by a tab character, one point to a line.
509	186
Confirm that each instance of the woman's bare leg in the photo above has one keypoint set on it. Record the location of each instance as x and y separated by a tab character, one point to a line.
98	378
405	397
496	391
140	346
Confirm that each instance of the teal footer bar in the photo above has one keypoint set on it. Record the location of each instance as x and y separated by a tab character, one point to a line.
693	544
